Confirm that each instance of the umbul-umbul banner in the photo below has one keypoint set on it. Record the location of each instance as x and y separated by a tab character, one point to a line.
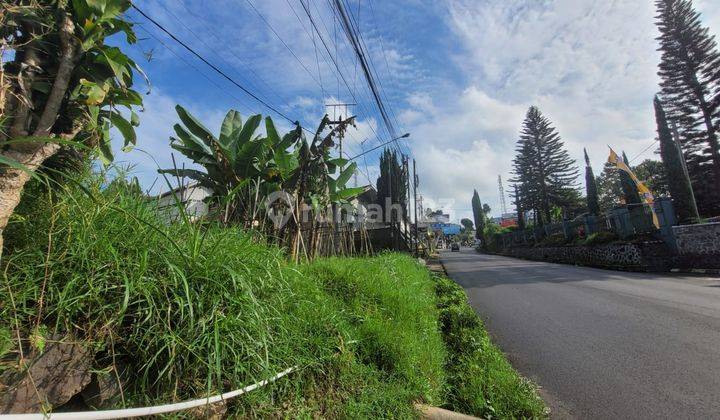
645	193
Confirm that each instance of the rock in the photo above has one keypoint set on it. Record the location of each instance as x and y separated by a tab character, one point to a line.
106	387
50	379
214	411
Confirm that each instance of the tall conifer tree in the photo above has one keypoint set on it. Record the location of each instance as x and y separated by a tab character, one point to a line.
591	188
690	82
678	181
545	173
478	215
629	188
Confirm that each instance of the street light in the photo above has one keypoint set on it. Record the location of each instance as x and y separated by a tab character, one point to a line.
404	136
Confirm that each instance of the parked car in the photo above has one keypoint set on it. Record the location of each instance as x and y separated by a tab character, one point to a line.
455	247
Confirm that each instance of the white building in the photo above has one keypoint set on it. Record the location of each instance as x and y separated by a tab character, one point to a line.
191	197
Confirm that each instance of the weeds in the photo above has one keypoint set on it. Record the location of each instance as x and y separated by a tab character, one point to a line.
195	309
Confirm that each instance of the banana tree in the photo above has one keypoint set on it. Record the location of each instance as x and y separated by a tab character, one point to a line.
237	161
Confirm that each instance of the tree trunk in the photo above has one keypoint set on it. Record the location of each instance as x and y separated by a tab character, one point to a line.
32	155
13	180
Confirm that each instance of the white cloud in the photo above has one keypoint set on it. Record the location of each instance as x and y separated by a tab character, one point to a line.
590	66
153	150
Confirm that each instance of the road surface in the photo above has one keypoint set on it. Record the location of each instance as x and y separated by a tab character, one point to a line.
601	344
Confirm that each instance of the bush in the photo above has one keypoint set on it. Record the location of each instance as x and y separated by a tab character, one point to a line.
556	239
600	238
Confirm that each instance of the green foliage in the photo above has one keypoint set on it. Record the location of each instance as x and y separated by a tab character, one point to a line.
478	215
690	92
652	174
600	238
629	188
556	239
591	187
481	381
609	190
544	172
679	184
242	167
197	309
392	182
101	77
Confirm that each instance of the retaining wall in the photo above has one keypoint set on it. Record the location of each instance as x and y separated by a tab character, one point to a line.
643	256
698	245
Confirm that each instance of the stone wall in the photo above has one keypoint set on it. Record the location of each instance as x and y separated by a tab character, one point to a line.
642	256
698	245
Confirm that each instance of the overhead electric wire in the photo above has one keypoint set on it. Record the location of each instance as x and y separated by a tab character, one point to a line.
387	65
272	29
194	67
306	9
311	35
353	37
230	50
643	151
216	69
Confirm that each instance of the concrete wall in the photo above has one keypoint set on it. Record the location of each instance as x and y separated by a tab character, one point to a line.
698	245
192	198
644	256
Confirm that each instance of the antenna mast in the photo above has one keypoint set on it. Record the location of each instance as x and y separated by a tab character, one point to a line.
501	191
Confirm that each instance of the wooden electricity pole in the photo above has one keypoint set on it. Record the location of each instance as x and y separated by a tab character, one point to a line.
415	184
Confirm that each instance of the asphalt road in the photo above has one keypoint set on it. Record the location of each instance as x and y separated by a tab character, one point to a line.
601	344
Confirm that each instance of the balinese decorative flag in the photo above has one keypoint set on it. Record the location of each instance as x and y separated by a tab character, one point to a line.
644	191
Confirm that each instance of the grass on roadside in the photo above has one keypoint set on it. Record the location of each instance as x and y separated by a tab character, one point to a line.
195	309
480	379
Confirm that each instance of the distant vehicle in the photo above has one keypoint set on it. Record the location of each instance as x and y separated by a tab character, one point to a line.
455	247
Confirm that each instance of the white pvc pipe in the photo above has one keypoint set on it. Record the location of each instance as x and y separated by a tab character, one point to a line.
146	411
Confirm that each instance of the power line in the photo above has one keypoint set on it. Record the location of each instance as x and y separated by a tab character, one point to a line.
267	23
337	70
644	150
194	67
230	50
215	68
353	38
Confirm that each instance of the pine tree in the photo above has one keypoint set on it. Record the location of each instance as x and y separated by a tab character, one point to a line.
629	188
543	170
478	215
678	181
690	83
591	188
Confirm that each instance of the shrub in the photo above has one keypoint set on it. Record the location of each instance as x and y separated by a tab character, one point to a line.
556	239
198	309
600	238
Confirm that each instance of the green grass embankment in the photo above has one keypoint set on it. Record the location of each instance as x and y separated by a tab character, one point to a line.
199	309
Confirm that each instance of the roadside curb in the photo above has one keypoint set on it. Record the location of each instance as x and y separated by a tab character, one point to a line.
707	271
428	412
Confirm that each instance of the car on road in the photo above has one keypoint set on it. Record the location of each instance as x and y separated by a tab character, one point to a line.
455	247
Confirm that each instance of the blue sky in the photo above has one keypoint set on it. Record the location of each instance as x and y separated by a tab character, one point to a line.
458	75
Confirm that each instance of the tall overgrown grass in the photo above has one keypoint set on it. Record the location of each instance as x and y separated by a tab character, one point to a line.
195	309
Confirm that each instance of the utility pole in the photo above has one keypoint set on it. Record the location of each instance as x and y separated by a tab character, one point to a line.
676	138
406	180
390	194
338	119
415	184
